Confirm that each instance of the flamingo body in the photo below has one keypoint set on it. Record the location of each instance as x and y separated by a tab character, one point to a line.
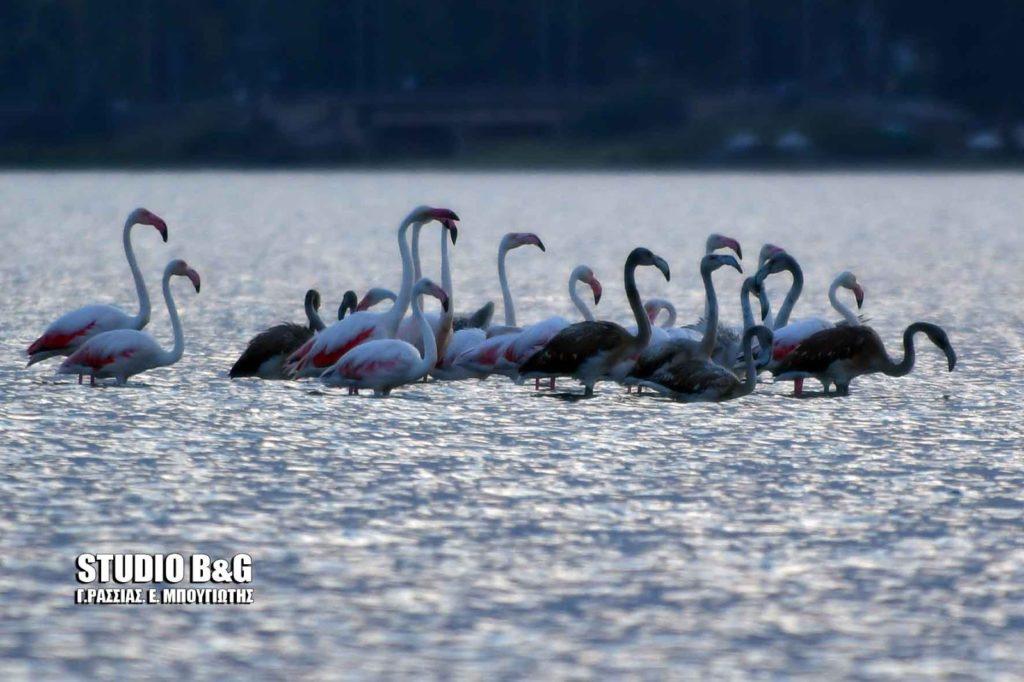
462	341
327	347
380	365
120	353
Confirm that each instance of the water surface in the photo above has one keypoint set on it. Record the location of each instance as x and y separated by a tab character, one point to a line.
475	528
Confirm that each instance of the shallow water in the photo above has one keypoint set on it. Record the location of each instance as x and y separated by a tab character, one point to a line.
476	528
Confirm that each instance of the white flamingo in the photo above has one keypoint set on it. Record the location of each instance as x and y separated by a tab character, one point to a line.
384	364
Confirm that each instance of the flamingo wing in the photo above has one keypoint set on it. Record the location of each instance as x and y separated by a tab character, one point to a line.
380	361
333	343
570	348
815	354
282	339
71	329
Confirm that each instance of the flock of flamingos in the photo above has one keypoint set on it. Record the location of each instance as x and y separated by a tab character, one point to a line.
380	351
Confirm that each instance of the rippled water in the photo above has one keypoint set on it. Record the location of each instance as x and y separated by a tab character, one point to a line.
475	528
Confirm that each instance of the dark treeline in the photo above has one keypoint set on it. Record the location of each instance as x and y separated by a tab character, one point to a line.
78	60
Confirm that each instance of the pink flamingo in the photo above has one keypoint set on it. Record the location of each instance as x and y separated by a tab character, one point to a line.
121	353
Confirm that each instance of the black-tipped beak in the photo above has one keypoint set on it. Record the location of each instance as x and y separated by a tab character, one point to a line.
950	356
540	245
663	266
162	229
858	293
453	231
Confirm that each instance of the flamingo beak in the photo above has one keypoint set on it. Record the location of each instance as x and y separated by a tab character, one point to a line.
534	239
732	262
452	228
858	293
595	286
950	356
161	227
194	276
730	243
660	263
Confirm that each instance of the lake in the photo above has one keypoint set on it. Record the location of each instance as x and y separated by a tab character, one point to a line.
479	530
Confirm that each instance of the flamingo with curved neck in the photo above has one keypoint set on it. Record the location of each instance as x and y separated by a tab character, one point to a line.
843	353
72	329
326	348
384	364
122	353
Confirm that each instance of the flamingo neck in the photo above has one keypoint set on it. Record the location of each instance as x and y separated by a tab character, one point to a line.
903	367
417	270
707	343
142	319
574	296
401	305
750	380
848	315
446	279
643	325
429	342
748	316
172	356
782	319
506	295
313	316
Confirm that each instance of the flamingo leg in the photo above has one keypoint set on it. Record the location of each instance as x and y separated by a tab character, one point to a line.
536	384
798	387
552	384
589	391
639	389
79	379
92	379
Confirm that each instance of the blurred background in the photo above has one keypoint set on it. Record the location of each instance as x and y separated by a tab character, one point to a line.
511	83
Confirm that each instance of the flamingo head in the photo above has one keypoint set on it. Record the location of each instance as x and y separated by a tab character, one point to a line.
182	269
375	296
848	280
313	299
718	241
143	216
426	286
513	240
713	261
349	302
642	256
767	251
583	273
447	217
652	307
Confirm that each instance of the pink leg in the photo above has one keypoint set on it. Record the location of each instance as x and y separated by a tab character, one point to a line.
798	387
536	384
552	384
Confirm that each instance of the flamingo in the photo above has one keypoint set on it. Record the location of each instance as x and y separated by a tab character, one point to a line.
122	353
588	351
685	348
72	329
488	357
384	364
327	347
727	339
408	330
266	352
701	380
843	353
